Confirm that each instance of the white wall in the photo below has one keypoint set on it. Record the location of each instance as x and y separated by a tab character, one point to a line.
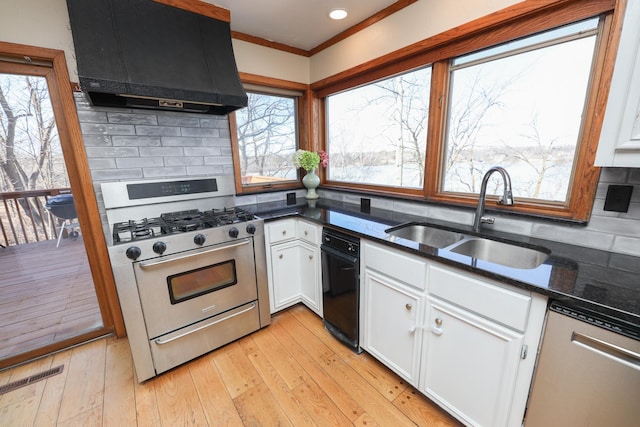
45	23
419	21
254	59
41	23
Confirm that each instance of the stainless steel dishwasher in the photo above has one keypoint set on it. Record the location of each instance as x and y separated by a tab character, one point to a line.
341	286
588	373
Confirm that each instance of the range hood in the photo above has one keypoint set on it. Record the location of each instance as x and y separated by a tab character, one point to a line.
144	54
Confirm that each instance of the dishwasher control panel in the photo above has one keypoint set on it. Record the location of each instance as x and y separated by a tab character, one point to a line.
615	325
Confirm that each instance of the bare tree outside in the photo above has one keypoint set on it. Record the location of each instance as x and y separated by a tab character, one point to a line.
30	156
519	106
30	153
267	139
377	133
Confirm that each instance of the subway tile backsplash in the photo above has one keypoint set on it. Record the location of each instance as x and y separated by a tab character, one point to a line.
127	144
611	231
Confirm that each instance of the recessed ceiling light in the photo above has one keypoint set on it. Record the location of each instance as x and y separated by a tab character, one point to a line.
338	14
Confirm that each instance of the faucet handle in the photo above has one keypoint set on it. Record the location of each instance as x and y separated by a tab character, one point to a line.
488	220
508	201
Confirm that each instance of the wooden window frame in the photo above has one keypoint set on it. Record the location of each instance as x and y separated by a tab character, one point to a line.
306	137
520	20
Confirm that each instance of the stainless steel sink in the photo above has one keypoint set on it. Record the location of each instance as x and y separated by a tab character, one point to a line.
426	234
501	253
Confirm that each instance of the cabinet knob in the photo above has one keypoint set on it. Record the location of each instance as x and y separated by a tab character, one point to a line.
280	256
408	306
284	232
437	328
310	256
306	233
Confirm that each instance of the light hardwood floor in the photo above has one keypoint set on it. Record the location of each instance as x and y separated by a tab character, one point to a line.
46	295
289	373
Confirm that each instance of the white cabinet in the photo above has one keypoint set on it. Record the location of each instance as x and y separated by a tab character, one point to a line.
286	275
470	364
392	314
392	308
466	342
620	137
310	277
479	346
293	264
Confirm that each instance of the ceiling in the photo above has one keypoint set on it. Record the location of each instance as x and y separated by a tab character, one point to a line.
303	24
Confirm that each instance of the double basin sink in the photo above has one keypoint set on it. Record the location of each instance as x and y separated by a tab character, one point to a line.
479	248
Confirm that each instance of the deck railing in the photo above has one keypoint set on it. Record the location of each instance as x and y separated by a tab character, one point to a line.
24	218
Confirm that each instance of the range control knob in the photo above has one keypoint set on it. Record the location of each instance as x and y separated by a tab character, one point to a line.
199	239
133	252
251	229
233	232
159	247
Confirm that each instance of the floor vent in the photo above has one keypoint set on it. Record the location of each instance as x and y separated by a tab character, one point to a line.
30	380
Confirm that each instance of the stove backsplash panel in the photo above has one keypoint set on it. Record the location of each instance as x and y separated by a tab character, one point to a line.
131	144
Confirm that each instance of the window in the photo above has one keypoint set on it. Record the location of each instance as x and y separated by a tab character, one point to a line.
265	136
527	94
520	106
377	133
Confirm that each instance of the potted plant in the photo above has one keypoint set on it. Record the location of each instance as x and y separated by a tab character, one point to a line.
310	161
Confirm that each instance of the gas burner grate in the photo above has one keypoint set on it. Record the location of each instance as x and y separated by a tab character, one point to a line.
178	222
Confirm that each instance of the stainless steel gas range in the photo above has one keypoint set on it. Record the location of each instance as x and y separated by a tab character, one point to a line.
189	268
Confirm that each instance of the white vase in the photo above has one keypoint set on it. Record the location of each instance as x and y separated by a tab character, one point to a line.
311	182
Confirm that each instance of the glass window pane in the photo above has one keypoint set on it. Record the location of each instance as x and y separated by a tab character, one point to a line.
521	111
377	133
267	139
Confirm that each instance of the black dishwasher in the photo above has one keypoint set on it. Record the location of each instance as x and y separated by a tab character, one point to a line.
341	286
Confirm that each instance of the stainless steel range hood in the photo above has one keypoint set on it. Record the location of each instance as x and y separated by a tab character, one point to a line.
143	54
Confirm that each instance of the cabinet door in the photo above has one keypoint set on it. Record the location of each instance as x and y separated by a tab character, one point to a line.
470	364
310	285
310	233
620	136
285	273
391	315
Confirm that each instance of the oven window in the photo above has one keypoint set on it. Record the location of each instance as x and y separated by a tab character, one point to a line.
193	283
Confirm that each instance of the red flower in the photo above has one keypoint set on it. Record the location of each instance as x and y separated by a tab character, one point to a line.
324	158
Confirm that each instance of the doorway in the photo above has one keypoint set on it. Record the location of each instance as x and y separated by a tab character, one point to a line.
54	291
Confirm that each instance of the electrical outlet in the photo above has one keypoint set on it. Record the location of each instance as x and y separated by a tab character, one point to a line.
365	205
618	198
291	198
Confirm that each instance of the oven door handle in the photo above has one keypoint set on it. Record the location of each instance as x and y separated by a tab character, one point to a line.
161	341
155	263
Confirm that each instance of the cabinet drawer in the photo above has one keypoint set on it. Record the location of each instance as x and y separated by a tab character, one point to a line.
309	232
506	306
282	230
404	267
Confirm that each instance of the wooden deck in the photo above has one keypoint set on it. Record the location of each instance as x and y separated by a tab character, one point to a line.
46	295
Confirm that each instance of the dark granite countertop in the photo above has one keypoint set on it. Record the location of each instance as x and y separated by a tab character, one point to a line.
604	282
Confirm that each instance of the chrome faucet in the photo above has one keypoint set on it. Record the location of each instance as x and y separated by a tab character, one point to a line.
506	198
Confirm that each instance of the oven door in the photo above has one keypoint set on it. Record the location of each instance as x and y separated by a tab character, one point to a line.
181	289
